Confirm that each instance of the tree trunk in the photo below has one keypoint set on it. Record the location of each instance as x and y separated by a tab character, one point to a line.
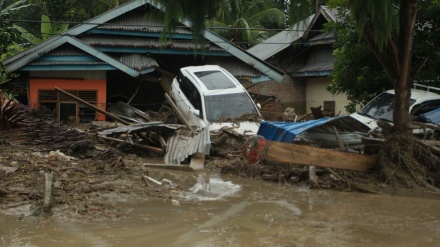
401	117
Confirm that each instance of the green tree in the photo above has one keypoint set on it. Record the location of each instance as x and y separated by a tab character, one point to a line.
47	30
356	72
245	22
6	35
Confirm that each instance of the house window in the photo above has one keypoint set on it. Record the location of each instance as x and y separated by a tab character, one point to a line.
329	107
65	110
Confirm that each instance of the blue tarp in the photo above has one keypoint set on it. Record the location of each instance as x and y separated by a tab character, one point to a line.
287	131
432	117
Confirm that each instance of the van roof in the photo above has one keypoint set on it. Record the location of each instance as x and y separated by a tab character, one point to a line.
418	94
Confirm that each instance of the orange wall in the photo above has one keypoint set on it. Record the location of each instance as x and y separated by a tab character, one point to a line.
86	84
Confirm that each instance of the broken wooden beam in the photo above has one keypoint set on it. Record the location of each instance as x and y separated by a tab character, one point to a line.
257	148
154	149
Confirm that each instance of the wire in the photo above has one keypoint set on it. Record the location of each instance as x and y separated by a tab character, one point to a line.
160	26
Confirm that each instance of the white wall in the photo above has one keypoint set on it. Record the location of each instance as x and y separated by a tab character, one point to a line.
316	94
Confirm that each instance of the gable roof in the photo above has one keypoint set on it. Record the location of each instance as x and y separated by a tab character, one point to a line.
302	29
281	40
76	36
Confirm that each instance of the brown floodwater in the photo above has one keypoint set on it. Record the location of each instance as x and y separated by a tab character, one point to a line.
245	212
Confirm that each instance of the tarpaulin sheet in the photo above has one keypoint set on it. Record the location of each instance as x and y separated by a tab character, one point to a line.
432	117
287	131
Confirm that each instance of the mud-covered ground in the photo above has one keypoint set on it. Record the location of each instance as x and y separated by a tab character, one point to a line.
87	185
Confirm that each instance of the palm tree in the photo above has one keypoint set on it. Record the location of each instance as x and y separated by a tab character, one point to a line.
245	22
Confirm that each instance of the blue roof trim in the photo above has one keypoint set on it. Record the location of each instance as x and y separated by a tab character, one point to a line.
102	56
260	79
146	71
67	58
77	43
161	51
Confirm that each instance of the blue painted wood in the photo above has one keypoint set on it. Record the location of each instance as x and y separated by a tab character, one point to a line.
161	51
67	58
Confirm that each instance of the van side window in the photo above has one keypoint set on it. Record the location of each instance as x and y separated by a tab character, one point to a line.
190	91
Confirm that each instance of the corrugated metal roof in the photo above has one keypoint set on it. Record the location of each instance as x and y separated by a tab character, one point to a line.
73	35
67	50
317	69
322	38
48	63
280	41
138	61
140	23
138	42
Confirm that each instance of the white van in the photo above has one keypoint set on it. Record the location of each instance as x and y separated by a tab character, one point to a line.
382	106
210	95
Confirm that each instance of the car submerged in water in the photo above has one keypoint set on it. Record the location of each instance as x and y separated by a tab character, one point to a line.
210	96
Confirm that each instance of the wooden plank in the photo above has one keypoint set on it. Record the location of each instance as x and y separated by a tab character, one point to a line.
170	167
313	156
154	149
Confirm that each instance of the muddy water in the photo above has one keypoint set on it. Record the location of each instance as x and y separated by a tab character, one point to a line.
243	212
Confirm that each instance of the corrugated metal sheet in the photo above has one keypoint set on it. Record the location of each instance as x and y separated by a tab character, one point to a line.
138	42
138	61
67	50
319	69
128	112
138	22
183	144
432	117
280	41
140	127
48	63
322	38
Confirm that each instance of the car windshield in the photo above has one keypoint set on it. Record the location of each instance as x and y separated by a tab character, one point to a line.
381	107
215	79
228	106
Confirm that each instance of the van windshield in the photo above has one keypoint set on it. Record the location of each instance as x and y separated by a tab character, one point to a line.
381	107
228	106
215	79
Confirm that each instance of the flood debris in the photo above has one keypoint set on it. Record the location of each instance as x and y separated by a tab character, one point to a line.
23	125
257	148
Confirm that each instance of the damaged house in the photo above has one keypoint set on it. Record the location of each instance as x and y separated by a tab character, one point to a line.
117	56
305	53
